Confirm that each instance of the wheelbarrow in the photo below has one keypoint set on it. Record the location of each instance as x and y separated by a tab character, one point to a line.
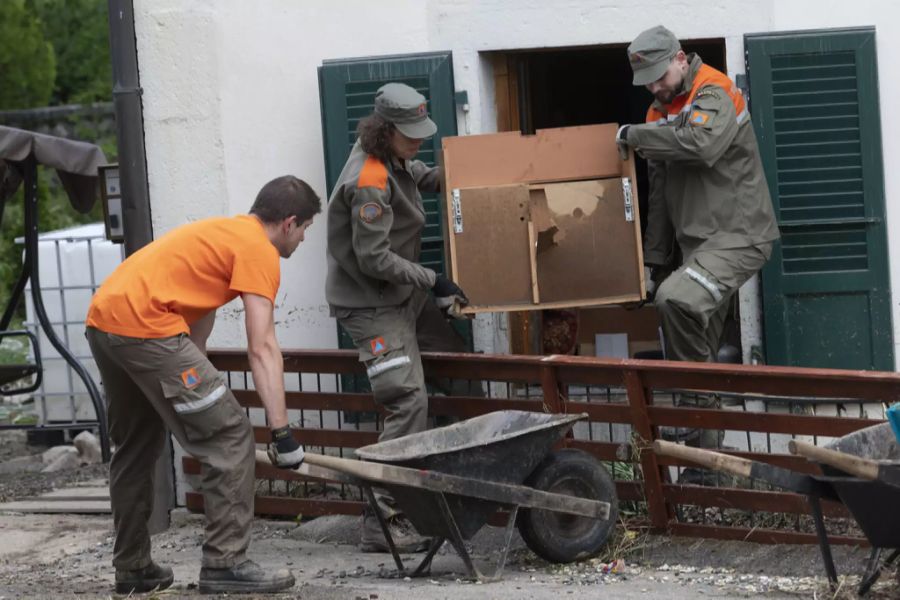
868	488
451	480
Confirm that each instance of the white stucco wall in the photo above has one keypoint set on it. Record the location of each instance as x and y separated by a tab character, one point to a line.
231	96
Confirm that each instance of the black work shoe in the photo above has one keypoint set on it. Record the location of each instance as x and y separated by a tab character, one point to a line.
406	538
245	578
152	577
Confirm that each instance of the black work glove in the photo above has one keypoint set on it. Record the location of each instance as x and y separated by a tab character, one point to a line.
444	288
285	452
622	141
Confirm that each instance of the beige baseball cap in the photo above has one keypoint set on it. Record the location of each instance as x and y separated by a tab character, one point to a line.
406	109
650	54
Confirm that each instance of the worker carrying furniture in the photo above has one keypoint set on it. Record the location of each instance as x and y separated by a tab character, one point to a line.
376	287
147	327
707	190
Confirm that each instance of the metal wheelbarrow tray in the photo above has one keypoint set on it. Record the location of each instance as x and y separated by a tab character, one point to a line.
860	470
450	481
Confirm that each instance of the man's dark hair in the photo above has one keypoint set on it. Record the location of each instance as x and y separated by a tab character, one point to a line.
284	197
374	134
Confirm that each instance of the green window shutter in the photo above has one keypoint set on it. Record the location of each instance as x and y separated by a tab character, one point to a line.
815	110
347	91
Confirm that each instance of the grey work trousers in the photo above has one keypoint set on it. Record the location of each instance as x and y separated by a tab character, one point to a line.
389	340
692	304
154	384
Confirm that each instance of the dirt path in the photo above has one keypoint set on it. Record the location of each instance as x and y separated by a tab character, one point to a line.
67	557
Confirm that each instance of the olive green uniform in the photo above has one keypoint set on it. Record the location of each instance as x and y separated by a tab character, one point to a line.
378	291
708	192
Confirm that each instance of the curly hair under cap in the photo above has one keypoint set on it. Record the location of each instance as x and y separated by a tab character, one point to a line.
374	134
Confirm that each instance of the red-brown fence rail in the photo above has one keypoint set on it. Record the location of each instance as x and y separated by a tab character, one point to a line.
625	400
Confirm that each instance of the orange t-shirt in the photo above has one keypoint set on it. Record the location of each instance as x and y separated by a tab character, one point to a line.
167	285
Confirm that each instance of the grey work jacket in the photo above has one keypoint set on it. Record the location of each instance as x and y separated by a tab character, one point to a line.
375	219
707	184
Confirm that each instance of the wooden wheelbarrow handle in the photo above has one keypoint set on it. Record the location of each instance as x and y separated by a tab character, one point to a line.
707	458
863	468
357	471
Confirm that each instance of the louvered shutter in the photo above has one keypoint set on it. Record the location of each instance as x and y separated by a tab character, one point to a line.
814	101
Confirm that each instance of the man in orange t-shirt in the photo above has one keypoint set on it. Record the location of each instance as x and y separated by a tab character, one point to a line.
147	327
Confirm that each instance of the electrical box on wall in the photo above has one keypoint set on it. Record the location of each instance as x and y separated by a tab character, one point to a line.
113	211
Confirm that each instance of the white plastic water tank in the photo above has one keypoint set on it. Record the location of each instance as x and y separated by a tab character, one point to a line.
72	264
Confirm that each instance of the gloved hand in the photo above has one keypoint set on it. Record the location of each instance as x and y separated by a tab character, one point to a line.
285	452
445	289
622	141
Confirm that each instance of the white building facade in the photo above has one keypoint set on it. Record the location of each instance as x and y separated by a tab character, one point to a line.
231	99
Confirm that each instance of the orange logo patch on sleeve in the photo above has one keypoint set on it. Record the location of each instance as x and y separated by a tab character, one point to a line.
190	378
377	346
699	118
370	212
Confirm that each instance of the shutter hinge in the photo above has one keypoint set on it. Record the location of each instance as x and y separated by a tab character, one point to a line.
629	199
457	212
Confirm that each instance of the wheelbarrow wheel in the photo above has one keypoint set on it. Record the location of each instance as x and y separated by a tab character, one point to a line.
559	537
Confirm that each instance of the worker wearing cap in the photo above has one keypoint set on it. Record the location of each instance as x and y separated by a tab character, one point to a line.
707	192
376	287
147	327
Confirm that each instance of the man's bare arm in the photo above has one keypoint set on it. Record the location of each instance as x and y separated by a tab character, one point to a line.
266	361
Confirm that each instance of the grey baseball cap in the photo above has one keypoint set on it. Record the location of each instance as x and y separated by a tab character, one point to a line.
650	54
405	108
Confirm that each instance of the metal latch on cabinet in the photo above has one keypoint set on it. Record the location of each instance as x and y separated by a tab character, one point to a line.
457	212
629	199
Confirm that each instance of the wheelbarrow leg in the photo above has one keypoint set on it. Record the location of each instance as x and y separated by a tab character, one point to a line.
510	528
822	535
874	568
425	565
384	528
456	539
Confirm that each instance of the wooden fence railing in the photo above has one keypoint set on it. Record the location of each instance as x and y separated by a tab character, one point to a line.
628	398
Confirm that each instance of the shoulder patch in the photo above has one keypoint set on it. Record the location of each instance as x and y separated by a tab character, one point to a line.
373	174
370	212
698	117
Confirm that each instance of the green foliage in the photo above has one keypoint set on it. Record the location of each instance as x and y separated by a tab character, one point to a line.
51	52
79	33
27	62
54	212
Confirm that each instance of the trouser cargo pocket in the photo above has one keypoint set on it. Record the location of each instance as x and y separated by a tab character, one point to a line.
391	372
203	406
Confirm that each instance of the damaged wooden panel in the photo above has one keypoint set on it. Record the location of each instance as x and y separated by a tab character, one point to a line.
493	218
543	221
590	254
563	154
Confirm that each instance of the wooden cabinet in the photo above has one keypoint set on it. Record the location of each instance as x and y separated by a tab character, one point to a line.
543	221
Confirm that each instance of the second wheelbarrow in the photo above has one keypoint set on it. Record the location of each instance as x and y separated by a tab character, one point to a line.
450	481
868	497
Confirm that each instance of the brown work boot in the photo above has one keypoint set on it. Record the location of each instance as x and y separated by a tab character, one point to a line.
406	538
152	577
245	578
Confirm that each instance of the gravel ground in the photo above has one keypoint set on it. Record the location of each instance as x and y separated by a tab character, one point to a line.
68	556
62	557
20	465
